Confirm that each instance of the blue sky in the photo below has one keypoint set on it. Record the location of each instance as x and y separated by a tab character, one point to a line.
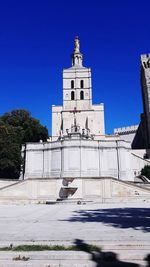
36	40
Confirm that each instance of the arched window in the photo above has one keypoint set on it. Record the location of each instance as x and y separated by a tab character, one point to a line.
81	84
72	84
72	95
81	95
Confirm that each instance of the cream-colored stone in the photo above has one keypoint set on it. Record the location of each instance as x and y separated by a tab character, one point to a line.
77	158
81	109
83	158
101	189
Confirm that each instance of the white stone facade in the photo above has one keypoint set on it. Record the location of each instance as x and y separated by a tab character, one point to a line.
78	157
77	101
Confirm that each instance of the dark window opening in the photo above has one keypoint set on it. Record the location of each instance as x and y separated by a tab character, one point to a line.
72	84
72	95
81	95
82	84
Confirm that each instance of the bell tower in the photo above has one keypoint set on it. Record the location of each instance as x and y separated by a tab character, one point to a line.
77	87
77	111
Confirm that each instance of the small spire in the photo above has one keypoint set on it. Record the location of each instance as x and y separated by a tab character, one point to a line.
77	56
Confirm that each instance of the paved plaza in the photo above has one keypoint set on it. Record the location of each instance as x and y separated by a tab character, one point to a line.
64	223
120	228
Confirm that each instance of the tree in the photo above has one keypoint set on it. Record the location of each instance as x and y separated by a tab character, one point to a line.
16	128
10	158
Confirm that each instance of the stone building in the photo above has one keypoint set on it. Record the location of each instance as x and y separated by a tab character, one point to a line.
79	161
78	146
142	137
145	84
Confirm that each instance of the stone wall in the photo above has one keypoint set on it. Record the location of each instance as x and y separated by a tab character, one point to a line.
107	190
82	158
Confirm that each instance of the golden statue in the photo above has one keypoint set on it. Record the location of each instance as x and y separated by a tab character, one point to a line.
76	45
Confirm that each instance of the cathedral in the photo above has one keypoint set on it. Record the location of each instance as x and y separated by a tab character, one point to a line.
80	161
79	150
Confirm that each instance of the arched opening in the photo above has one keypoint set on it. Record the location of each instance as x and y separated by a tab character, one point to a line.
81	84
81	95
72	84
72	95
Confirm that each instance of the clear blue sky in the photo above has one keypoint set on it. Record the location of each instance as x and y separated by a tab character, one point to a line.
36	40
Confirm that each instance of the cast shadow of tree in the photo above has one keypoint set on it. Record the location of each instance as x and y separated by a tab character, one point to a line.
136	218
106	259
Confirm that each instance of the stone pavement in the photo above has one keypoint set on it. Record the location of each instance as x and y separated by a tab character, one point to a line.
123	229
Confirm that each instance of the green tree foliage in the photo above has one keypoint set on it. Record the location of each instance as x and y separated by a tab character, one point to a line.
146	171
17	128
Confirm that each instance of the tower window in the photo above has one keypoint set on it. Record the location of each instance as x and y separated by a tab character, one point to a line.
72	95
81	95
72	84
82	84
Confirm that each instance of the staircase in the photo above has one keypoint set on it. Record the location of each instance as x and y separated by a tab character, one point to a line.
110	256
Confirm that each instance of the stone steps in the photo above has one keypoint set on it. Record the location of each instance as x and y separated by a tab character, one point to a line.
124	231
75	258
71	263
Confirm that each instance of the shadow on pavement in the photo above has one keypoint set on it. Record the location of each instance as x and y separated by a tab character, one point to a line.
148	260
106	259
136	218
